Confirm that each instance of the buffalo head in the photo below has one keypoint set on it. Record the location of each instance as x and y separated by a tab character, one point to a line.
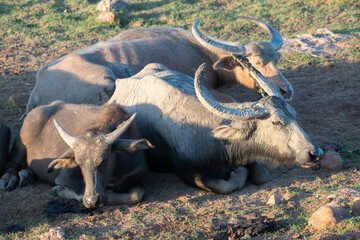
262	55
92	151
265	130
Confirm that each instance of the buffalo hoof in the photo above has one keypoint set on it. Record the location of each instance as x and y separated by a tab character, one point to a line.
238	177
258	173
9	180
26	177
65	192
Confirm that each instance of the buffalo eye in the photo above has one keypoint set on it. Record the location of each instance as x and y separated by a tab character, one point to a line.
278	123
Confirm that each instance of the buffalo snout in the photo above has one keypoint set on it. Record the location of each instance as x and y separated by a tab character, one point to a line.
94	201
287	92
316	155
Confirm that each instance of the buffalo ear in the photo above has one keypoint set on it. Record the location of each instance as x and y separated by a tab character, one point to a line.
226	63
234	131
61	163
130	146
66	160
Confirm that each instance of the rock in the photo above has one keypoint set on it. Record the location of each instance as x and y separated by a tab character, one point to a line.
329	215
355	208
274	200
54	234
106	17
286	197
331	161
111	5
18	99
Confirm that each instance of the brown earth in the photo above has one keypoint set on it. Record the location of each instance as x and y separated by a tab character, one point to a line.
327	100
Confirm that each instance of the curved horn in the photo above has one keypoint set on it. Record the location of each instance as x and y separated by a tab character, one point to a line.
217	46
244	111
276	39
64	135
110	138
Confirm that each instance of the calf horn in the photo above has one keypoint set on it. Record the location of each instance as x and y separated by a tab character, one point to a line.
244	111
275	42
110	138
64	135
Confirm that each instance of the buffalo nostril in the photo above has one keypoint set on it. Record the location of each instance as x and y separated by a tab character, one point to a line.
316	155
287	92
93	201
283	90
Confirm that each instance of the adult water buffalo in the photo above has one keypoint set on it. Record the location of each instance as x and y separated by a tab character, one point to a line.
205	143
4	143
83	167
87	75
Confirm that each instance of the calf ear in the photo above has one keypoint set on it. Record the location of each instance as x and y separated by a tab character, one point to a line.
130	146
61	163
67	160
225	63
238	131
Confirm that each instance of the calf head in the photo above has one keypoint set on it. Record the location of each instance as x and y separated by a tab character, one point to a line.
263	55
92	152
264	130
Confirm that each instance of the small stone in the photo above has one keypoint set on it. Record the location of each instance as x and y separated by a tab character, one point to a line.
355	208
53	234
331	161
111	5
106	17
18	99
286	197
329	215
274	200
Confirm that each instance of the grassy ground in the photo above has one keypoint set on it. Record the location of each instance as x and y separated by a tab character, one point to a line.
34	33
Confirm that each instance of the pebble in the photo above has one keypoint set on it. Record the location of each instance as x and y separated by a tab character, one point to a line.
274	200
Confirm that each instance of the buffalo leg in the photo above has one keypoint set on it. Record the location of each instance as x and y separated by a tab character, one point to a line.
135	195
65	192
235	182
27	177
257	173
214	182
9	180
17	159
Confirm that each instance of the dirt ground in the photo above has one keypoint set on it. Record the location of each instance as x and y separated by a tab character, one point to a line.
327	101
